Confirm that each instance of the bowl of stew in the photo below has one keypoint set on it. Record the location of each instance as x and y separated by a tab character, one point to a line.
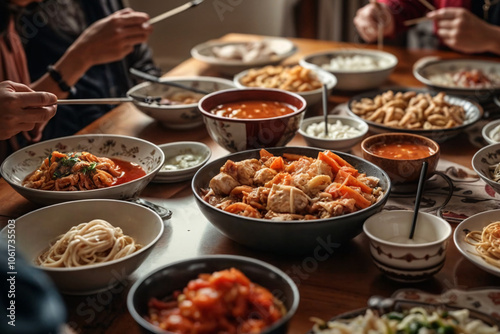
401	155
83	167
251	118
219	293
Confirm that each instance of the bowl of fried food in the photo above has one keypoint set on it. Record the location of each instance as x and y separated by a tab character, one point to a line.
219	293
290	199
83	167
355	69
243	119
306	82
174	107
231	57
434	115
88	246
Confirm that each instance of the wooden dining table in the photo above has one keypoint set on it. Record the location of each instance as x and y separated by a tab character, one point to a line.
342	282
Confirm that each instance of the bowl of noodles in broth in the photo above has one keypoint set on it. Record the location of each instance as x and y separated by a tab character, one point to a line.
51	239
290	199
83	167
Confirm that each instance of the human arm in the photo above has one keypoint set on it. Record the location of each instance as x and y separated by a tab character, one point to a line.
107	40
462	31
21	109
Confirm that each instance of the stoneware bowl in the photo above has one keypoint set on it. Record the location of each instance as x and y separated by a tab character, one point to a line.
488	133
288	237
354	79
243	134
340	144
164	281
401	172
481	162
281	47
26	160
400	258
178	116
312	97
172	153
35	231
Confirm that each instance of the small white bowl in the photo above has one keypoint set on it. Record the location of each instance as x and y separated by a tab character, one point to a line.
173	150
483	159
282	47
354	80
35	231
486	131
312	97
392	251
344	144
178	116
26	160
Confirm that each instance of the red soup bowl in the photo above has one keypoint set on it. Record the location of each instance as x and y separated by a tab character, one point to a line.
243	119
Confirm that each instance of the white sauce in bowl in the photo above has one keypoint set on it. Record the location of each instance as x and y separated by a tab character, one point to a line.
336	130
182	161
356	63
495	133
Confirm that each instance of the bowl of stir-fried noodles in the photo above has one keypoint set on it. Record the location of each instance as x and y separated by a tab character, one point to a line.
290	199
83	167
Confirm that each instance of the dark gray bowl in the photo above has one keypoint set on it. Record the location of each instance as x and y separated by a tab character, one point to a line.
298	237
175	276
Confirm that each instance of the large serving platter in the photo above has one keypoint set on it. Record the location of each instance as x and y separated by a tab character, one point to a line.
473	113
476	223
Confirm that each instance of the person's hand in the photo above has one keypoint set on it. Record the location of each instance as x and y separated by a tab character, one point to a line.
112	38
370	17
462	31
22	109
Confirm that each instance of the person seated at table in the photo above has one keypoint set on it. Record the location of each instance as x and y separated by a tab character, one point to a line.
81	49
462	25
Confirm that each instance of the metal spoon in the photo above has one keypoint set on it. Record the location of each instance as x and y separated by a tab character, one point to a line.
163	212
152	78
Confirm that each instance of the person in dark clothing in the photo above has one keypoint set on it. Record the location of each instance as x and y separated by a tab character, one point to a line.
463	25
104	38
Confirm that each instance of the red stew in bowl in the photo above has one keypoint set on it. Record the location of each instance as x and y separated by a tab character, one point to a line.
402	150
253	109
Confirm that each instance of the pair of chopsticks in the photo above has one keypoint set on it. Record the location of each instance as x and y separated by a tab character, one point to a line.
420	19
380	28
175	11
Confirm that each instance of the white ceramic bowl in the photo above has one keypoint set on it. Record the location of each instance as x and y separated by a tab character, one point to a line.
283	48
173	150
354	80
486	131
35	231
344	144
483	159
24	161
312	97
399	260
179	116
475	223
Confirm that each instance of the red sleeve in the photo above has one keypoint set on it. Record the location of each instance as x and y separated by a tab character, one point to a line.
405	10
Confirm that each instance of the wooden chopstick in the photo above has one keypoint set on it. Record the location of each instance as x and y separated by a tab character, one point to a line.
427	4
175	11
415	21
380	29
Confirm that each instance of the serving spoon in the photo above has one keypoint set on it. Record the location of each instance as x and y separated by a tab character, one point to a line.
155	79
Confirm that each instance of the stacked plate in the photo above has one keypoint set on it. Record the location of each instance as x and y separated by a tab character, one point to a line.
182	161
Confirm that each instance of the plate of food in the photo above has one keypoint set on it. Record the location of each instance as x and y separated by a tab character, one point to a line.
435	115
471	77
478	239
398	316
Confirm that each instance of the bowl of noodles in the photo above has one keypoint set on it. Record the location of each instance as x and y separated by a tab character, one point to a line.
290	199
83	167
51	239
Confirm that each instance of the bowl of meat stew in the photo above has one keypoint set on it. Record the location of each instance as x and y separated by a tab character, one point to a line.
290	199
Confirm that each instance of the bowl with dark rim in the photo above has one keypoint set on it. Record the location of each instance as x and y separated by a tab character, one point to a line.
239	134
483	163
288	236
162	282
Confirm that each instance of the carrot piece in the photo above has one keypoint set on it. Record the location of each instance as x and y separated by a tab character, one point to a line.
278	164
349	180
265	154
331	162
293	157
338	159
333	189
341	176
349	192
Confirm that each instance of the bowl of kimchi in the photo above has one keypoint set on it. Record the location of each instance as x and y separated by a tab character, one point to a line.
83	167
290	199
214	294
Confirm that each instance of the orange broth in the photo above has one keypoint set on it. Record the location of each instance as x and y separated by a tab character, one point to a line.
402	151
253	109
130	171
